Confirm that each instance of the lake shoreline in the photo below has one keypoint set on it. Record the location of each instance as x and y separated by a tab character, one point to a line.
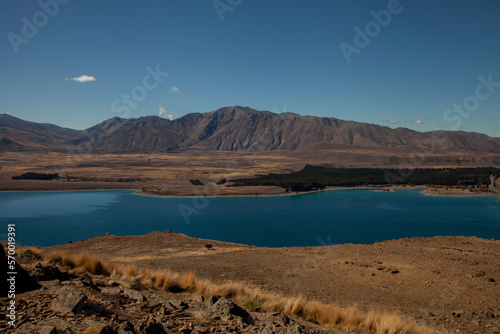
271	191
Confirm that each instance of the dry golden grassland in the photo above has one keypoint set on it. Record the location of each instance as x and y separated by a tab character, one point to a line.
329	315
169	173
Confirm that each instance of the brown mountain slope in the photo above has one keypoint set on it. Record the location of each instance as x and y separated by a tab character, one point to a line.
19	135
232	129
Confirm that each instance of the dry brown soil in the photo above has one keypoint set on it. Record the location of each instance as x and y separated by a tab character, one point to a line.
449	281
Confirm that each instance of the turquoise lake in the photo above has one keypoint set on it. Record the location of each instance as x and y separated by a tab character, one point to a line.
328	217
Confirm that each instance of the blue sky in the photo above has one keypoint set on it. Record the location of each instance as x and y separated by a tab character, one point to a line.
269	55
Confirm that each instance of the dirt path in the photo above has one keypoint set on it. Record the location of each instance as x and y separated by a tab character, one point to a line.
441	280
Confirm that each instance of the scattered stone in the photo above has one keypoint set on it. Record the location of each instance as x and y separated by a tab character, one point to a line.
92	326
90	309
163	310
113	283
197	299
134	294
111	291
126	328
177	304
79	271
26	328
68	300
285	320
47	330
479	274
200	329
87	281
49	273
296	328
138	286
58	323
139	326
155	328
431	315
394	271
26	257
225	306
156	301
210	301
491	314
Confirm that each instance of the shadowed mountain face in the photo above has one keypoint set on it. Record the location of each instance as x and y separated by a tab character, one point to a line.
231	129
19	135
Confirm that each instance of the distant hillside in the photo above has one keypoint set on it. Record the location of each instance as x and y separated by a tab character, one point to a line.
231	129
19	135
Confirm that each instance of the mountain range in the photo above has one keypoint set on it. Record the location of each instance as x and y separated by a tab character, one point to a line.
231	129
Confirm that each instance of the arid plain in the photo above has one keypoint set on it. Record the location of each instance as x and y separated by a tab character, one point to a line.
168	174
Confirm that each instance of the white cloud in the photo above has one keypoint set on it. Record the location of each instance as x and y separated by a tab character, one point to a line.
82	78
174	90
394	121
163	113
277	111
418	121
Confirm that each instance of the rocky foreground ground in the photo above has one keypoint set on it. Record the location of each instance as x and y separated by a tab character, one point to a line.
74	301
446	282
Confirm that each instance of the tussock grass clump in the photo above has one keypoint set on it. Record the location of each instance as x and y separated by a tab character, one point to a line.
92	264
324	314
188	281
129	271
64	260
248	303
329	315
21	249
295	306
